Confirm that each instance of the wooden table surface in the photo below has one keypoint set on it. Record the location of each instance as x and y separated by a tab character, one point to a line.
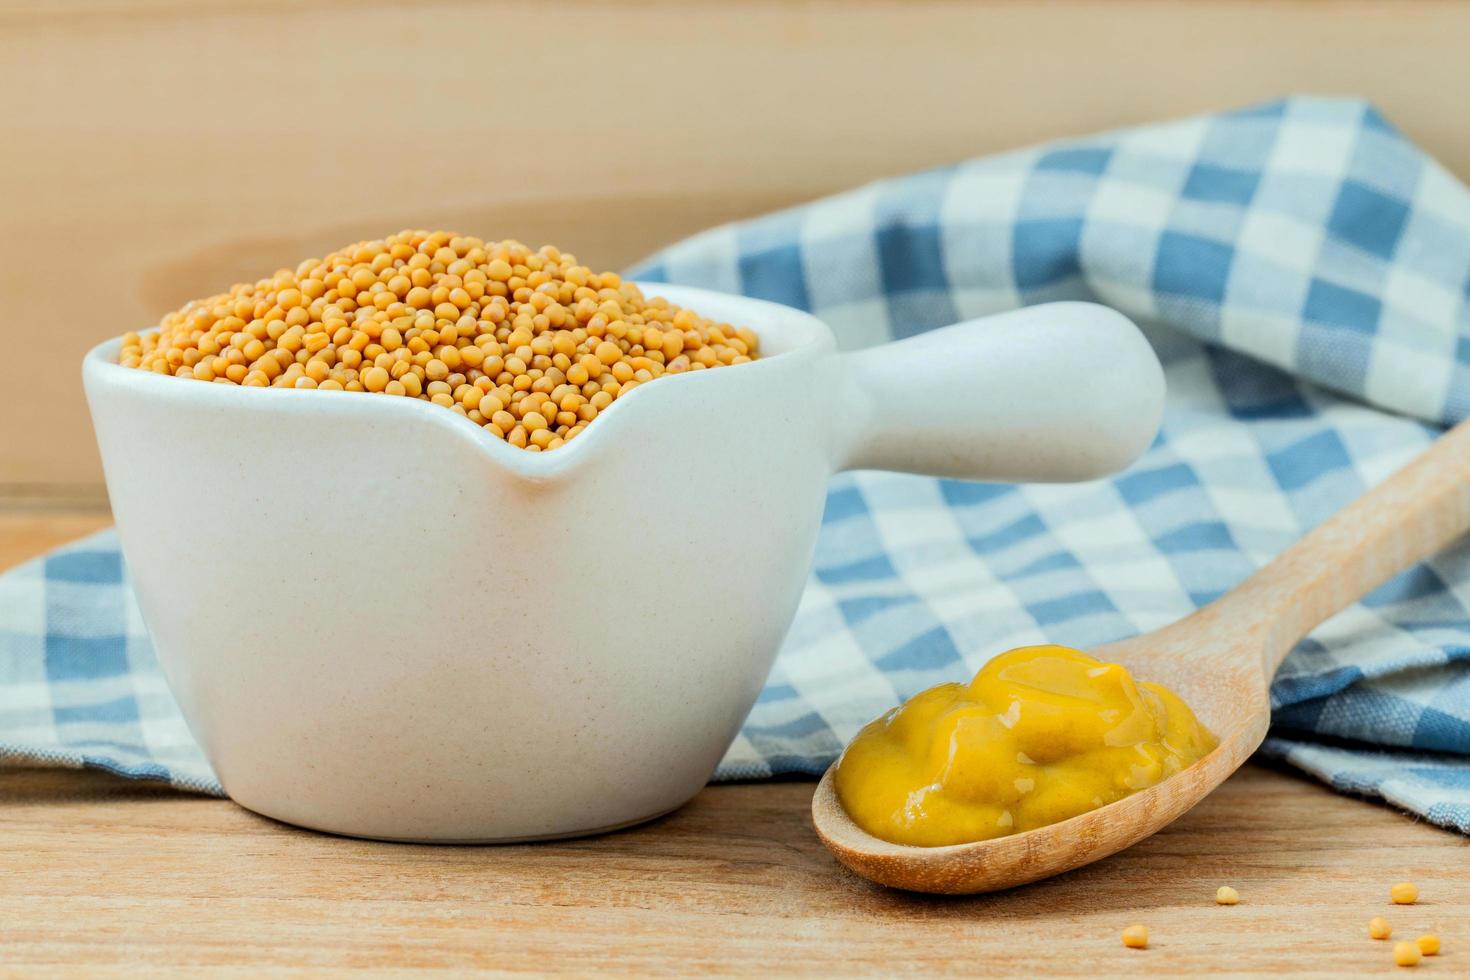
99	874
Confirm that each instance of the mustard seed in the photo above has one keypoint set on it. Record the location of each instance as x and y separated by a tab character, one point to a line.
529	345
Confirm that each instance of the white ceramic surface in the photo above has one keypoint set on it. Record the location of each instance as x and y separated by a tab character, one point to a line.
380	621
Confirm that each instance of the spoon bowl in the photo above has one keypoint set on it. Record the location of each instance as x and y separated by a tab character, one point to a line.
1220	660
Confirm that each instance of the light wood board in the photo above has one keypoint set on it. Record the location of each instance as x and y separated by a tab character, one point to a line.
97	872
152	151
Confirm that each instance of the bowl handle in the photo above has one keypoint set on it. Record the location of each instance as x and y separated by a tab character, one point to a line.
1050	393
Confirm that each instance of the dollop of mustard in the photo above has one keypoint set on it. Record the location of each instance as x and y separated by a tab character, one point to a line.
1041	734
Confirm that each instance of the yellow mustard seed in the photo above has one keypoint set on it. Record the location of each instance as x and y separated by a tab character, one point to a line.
1406	954
1404	893
1225	895
1378	928
530	345
375	379
1136	937
1428	944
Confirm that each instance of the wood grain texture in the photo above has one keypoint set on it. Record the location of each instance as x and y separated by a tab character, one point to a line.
101	873
158	150
26	534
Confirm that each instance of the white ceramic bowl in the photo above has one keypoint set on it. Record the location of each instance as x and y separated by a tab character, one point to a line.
380	621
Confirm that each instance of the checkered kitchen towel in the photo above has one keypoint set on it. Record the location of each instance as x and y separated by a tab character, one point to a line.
1303	272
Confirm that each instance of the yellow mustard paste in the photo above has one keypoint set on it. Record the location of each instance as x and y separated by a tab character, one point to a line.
1041	734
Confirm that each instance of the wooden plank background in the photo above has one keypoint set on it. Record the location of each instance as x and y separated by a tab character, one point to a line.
156	150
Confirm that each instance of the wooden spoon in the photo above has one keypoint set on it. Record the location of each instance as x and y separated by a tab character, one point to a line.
1220	659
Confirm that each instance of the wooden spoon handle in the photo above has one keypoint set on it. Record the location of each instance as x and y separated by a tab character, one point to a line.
1410	516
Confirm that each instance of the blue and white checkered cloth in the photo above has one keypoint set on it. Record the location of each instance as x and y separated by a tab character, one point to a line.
1302	270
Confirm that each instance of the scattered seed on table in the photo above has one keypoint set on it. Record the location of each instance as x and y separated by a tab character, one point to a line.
1428	944
1378	928
1406	954
1225	895
1136	937
1404	893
